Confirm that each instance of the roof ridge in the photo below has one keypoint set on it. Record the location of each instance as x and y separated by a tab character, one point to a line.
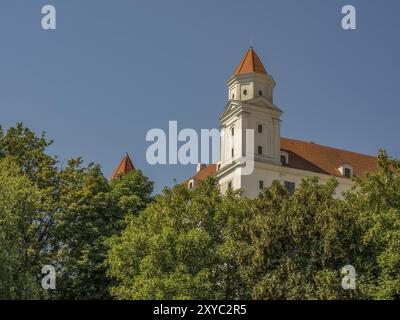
329	147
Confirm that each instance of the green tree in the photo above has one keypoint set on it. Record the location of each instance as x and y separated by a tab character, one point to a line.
18	198
131	193
376	203
77	210
91	211
28	151
182	246
299	242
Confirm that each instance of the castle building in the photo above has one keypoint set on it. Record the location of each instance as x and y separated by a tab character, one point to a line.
251	106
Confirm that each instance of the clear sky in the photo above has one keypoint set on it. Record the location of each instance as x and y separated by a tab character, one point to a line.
115	69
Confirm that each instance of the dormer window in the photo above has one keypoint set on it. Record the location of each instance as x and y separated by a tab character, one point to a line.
190	185
346	170
284	158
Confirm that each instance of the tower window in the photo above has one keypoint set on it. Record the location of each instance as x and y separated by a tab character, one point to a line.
260	128
260	93
245	92
232	152
233	96
290	186
230	185
261	184
233	131
260	151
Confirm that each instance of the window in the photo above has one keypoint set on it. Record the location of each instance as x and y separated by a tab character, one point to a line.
284	158
218	166
232	152
260	93
245	92
261	184
233	131
190	184
290	186
260	128
260	151
347	172
233	97
230	185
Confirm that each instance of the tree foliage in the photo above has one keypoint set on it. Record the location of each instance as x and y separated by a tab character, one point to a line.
182	246
18	198
112	239
376	203
300	242
200	244
75	211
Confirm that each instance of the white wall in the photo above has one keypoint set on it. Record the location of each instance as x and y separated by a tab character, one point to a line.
268	173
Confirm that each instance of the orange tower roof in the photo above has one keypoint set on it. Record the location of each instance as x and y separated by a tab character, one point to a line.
124	167
250	63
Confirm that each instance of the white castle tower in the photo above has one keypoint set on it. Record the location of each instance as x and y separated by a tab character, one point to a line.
250	106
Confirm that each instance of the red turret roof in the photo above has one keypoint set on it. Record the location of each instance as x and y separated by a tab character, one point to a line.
250	63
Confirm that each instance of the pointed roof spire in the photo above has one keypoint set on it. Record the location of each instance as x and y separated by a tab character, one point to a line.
125	166
250	63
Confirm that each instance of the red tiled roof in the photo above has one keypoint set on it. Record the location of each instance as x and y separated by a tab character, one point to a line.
314	158
124	167
250	63
327	160
203	174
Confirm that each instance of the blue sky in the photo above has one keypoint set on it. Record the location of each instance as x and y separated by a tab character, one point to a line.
115	69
